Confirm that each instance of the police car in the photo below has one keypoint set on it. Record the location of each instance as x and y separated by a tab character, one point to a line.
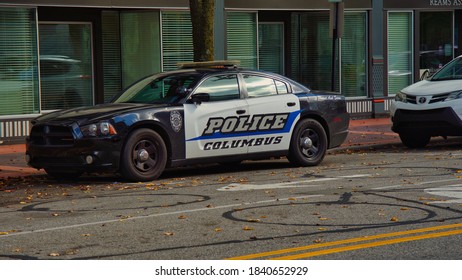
431	107
201	113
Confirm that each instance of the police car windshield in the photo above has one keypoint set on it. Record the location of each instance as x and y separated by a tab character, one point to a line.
161	89
451	71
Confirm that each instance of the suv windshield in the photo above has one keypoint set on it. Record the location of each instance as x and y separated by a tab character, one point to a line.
159	88
451	71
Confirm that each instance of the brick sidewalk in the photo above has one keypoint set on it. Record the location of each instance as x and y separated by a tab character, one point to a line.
364	132
369	132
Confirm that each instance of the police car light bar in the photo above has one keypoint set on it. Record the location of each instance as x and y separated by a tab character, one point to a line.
217	64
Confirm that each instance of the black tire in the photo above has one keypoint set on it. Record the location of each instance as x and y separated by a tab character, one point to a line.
308	145
144	156
231	163
63	174
414	140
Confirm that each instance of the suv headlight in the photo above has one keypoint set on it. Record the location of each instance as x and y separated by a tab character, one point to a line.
99	129
400	96
454	95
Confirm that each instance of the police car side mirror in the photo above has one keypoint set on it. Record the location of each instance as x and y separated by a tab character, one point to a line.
200	97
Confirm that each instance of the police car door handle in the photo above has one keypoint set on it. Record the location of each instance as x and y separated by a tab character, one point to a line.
290	104
240	112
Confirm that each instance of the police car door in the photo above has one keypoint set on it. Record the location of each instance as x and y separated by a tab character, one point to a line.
213	127
273	111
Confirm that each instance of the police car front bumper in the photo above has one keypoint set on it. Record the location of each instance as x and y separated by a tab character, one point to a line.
85	155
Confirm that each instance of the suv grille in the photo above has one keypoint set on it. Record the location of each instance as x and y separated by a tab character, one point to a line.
50	135
434	99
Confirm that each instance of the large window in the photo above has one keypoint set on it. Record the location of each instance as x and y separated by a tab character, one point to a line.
140	34
311	54
271	47
19	85
354	58
66	65
112	64
242	38
436	41
399	51
312	50
177	42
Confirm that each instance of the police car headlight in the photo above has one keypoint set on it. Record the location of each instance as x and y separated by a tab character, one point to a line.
454	95
400	96
99	129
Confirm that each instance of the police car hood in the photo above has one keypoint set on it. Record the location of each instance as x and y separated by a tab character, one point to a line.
84	115
428	87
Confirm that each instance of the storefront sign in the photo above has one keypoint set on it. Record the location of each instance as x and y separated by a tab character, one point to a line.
445	3
423	4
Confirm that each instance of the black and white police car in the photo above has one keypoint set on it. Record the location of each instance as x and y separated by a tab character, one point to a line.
201	113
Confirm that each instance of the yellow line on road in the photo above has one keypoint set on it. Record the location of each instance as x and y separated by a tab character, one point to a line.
369	245
356	240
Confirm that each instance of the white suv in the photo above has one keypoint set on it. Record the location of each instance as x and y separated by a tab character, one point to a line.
432	107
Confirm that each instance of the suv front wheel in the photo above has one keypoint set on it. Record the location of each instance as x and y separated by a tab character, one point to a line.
414	140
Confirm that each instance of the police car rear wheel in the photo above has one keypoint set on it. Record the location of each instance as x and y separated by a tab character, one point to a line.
144	156
308	144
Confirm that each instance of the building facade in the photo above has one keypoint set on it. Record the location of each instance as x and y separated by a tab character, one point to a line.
64	54
421	36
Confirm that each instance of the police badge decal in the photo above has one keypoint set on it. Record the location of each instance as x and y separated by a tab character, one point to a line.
176	120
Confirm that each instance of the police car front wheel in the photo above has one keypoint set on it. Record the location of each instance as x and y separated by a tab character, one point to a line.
144	156
308	144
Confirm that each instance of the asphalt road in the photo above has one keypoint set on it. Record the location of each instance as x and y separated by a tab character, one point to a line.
391	203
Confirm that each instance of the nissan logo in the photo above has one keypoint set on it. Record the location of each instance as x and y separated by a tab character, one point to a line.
422	100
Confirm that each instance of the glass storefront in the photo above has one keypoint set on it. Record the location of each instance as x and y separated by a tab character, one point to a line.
241	38
271	47
177	41
353	57
112	61
66	65
436	41
19	83
140	45
400	46
436	45
312	52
